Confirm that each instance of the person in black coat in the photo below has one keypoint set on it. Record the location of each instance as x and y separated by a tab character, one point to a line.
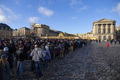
20	60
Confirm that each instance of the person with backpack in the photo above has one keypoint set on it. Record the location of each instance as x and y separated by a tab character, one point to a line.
37	56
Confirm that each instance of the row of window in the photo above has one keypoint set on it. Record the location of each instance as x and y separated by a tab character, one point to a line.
104	37
104	31
104	25
2	28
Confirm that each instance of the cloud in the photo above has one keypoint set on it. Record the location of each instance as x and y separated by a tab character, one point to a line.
7	15
45	11
33	19
117	8
74	17
83	8
46	2
78	5
3	18
29	6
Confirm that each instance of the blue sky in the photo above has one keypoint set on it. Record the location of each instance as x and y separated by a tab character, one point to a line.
71	16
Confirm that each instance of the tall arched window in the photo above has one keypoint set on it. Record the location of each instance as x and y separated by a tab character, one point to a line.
104	37
108	28
109	37
104	28
99	31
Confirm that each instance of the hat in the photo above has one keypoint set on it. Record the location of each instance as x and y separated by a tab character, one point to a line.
5	49
3	56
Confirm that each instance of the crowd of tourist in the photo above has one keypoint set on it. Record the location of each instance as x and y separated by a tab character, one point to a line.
39	51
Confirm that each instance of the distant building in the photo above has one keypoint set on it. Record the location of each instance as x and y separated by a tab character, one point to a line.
118	32
40	30
44	31
22	32
104	29
5	31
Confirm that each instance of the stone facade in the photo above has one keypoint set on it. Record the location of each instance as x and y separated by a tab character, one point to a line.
44	31
5	31
88	35
118	32
22	32
40	30
104	29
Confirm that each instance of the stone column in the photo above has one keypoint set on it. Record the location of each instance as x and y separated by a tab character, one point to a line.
112	28
101	28
107	28
96	29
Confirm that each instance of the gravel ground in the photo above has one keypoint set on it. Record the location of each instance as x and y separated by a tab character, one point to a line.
92	62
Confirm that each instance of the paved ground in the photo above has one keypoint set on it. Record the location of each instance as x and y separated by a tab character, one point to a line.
92	62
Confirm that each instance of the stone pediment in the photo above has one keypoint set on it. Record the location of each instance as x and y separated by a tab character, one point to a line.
104	20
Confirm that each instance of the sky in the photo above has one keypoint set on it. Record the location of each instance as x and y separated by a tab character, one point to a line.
71	16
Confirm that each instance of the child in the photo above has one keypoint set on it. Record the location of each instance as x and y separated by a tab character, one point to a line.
107	45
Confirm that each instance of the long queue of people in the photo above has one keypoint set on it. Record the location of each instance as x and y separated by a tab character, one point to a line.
39	51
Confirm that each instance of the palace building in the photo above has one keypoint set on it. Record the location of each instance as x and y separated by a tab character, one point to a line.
22	32
5	31
44	31
118	32
104	29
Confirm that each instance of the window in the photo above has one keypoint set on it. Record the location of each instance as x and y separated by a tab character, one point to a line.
104	37
2	28
108	30
104	26
99	37
104	31
99	26
99	31
109	37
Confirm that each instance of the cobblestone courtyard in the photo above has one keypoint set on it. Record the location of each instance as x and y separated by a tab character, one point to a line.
92	62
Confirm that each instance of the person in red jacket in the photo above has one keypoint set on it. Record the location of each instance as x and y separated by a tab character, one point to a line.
107	45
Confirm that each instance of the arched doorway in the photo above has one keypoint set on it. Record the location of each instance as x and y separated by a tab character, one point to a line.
99	37
109	37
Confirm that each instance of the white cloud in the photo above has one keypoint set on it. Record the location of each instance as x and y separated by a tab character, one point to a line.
83	8
78	5
45	11
3	19
75	3
33	19
117	8
7	15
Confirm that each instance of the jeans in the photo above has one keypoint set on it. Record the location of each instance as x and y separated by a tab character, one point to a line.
20	68
38	68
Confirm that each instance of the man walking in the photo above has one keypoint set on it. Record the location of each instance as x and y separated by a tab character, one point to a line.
37	56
